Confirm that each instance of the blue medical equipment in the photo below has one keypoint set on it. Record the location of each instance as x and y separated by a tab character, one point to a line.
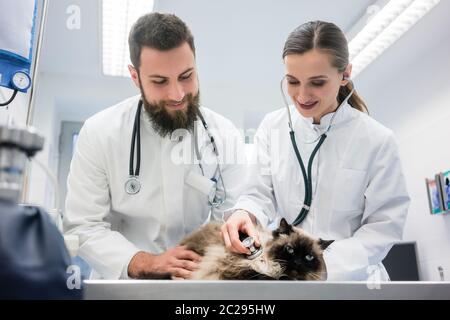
17	33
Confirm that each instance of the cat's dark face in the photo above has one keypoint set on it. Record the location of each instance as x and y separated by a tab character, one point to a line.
298	253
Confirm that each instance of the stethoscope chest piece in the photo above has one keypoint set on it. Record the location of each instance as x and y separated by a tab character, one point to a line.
250	244
132	185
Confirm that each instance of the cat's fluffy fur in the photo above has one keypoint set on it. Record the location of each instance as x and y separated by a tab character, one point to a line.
289	253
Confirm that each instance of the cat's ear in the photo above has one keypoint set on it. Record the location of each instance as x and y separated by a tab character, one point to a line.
325	243
284	228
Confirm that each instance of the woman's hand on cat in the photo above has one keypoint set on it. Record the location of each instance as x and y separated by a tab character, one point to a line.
179	262
240	220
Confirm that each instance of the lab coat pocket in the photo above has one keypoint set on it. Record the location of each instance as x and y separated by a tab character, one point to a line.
349	188
199	191
202	184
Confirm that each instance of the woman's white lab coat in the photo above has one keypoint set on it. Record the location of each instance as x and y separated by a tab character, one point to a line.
112	225
359	193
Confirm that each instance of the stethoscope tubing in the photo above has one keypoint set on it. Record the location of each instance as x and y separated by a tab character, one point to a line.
136	136
307	179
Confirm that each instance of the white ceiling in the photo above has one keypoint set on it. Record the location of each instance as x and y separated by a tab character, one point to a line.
417	58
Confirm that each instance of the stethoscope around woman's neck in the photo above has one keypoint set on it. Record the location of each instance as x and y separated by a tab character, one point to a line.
307	175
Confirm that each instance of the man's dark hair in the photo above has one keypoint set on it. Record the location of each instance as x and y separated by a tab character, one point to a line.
160	31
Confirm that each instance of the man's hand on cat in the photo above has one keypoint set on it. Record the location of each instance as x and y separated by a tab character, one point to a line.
179	262
240	220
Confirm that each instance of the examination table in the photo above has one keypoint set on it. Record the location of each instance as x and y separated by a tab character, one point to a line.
263	290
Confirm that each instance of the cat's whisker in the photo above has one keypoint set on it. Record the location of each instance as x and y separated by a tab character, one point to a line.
314	276
317	275
279	260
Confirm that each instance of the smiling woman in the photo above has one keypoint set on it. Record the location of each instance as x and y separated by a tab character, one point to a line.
317	70
347	146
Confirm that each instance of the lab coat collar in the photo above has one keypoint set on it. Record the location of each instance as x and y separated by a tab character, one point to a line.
344	113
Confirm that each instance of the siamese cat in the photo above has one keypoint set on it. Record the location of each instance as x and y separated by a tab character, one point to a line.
288	253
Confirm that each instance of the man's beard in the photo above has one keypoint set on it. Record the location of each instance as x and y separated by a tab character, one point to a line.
165	122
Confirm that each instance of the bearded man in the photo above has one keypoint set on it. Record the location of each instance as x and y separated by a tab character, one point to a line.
154	167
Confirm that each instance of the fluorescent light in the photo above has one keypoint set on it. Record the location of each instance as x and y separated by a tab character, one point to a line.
390	23
118	17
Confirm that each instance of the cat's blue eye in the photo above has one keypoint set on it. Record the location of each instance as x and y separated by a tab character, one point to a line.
309	257
289	249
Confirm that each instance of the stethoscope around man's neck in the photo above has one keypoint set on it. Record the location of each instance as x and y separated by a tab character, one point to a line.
133	184
307	175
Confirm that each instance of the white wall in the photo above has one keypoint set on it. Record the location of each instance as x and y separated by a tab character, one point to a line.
408	89
425	151
61	98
